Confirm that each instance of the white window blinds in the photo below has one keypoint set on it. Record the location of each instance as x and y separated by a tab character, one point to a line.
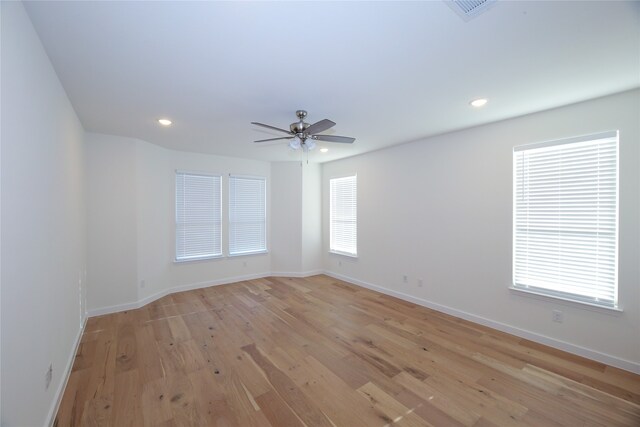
343	221
566	218
247	215
198	216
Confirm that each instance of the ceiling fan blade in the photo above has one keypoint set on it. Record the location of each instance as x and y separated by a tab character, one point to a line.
274	139
320	126
270	127
334	138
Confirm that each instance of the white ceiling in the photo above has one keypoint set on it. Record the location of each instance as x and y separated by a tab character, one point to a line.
385	72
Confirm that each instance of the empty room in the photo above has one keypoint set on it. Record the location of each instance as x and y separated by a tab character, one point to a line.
310	213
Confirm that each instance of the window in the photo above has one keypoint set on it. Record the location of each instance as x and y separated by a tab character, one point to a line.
198	216
343	221
247	215
565	200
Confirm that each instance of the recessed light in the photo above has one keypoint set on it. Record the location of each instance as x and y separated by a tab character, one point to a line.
478	102
164	122
324	150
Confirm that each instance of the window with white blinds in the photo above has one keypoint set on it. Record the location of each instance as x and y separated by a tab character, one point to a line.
247	215
198	216
565	198
343	218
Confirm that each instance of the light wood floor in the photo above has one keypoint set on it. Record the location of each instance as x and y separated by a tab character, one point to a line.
320	352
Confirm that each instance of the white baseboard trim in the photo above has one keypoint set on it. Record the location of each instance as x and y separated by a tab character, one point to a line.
53	411
296	274
114	308
617	362
179	288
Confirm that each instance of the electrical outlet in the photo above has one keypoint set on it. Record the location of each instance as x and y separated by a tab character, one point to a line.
557	316
340	263
143	283
419	283
244	263
405	279
48	376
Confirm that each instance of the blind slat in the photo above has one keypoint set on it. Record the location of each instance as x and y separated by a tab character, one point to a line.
566	219
198	216
343	223
247	215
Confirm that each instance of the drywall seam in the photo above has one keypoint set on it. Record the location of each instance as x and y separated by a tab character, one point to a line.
53	411
542	339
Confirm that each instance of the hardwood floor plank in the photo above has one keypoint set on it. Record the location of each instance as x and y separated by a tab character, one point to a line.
86	354
179	330
126	351
425	409
286	388
148	357
442	401
127	411
72	405
333	396
182	399
156	408
211	402
277	411
392	411
241	402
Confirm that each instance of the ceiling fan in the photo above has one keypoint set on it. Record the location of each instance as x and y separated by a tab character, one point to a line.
303	135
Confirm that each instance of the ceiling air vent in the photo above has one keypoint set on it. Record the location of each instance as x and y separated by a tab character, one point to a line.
469	9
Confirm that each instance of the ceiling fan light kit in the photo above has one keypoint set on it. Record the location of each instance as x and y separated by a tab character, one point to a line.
295	143
303	135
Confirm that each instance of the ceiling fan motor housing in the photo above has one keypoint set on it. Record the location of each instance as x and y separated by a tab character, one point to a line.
301	126
298	127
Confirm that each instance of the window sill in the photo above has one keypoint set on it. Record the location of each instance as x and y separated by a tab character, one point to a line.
581	304
248	253
188	260
347	254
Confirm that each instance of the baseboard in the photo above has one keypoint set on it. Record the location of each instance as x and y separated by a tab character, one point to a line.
179	288
608	359
115	308
296	274
67	373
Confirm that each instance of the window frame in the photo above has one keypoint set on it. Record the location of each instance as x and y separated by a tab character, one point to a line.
558	294
177	259
230	222
331	249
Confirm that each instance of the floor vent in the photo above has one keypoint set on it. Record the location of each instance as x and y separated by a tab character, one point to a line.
469	9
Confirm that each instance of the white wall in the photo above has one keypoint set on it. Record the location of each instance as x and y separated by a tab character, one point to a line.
43	225
111	219
311	218
132	223
296	222
440	210
286	223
